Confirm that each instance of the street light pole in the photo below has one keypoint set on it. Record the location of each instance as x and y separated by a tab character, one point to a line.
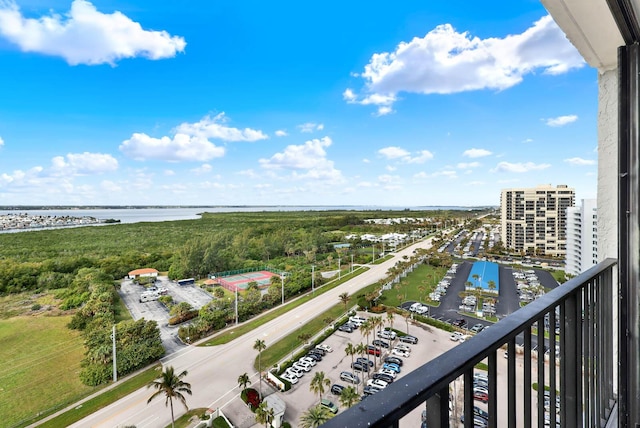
339	273
282	282
115	366
352	262
313	277
236	305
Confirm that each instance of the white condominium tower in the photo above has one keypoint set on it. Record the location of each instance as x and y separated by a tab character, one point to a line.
582	237
534	220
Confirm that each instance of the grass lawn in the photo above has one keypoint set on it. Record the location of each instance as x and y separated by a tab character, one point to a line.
184	421
40	363
408	288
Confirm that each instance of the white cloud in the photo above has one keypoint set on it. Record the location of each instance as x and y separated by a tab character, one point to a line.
390	168
446	173
310	127
205	168
365	160
476	153
519	167
180	147
580	162
467	165
83	164
383	111
169	172
445	61
561	120
213	127
109	186
383	102
307	161
528	140
281	133
86	36
394	152
1	142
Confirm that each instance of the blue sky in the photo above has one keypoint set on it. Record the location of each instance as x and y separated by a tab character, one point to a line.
293	103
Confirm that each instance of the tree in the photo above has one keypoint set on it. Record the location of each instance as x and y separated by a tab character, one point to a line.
350	350
172	386
390	316
407	317
344	298
264	414
243	381
304	337
349	396
315	417
260	346
491	284
318	384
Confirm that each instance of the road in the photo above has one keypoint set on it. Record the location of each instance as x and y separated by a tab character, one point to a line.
213	372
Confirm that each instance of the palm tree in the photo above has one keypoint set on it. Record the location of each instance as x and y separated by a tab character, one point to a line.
407	316
260	346
264	414
243	381
366	329
172	386
315	417
344	298
390	316
350	350
491	284
318	383
349	396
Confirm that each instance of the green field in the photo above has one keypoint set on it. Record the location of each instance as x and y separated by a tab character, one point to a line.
416	286
40	363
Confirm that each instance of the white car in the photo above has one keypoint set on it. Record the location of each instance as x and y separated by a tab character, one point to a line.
388	372
294	372
387	334
415	306
324	347
422	310
300	365
400	353
377	383
291	378
403	347
456	336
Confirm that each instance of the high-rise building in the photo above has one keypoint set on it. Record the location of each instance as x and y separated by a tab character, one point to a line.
582	237
534	220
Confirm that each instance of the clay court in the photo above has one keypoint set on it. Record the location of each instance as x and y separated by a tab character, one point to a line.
240	282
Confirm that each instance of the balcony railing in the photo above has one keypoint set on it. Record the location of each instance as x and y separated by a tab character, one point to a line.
575	322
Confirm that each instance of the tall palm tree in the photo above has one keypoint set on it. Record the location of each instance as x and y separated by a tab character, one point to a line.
390	316
264	414
243	381
407	316
318	383
344	298
366	329
260	346
361	349
171	386
349	396
315	416
350	350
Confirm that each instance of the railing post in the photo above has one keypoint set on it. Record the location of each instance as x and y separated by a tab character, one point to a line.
570	366
438	409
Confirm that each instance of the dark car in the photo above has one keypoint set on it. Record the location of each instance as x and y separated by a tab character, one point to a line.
336	389
370	390
372	350
360	367
319	351
316	353
314	356
345	328
394	360
460	322
409	339
381	343
367	361
478	422
383	377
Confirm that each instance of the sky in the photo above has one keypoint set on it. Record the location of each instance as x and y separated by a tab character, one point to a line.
136	102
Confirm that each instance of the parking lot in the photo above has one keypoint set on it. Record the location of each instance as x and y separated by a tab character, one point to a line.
431	343
156	311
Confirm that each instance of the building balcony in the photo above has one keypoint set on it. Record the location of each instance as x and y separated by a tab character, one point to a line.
578	371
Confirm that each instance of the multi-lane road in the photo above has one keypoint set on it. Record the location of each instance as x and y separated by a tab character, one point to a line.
213	371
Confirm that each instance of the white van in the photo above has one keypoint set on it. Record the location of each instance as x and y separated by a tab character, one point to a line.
357	320
415	306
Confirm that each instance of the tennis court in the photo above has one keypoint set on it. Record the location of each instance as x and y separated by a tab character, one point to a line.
239	282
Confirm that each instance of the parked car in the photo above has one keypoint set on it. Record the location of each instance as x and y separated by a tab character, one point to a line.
345	328
290	377
382	376
316	357
366	361
456	336
349	377
309	360
387	334
480	394
381	343
372	350
400	353
361	367
324	347
478	422
378	383
460	322
394	360
319	351
336	389
414	306
370	390
479	412
477	328
403	347
422	310
409	339
302	366
391	366
329	405
293	371
388	372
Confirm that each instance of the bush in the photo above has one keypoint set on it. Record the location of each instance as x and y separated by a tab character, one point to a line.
36	307
177	319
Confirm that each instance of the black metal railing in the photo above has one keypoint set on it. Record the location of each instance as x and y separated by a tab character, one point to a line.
560	364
